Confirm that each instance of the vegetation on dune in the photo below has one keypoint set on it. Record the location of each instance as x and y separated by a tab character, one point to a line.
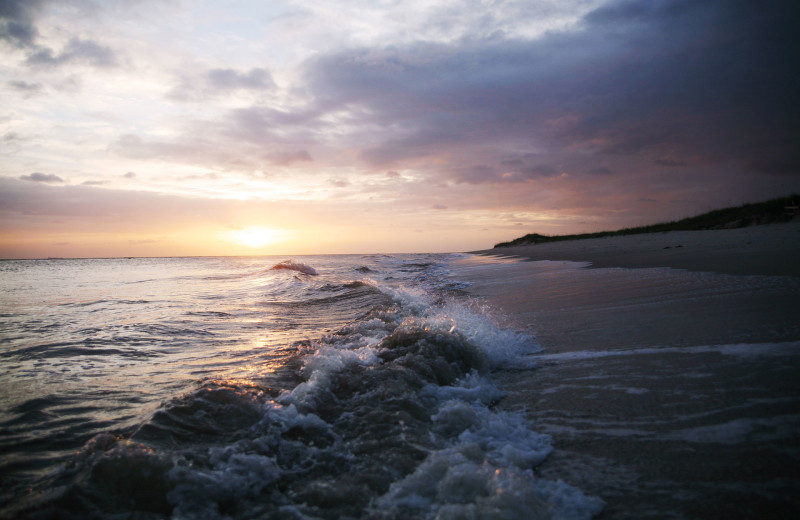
776	210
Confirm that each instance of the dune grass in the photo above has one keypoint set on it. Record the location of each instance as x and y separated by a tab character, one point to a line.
768	212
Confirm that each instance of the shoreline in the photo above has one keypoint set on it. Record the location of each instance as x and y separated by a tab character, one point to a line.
770	250
668	377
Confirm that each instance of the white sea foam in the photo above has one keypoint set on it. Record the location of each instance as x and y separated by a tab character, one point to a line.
743	350
504	347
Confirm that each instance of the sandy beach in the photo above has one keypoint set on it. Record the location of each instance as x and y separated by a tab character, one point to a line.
668	378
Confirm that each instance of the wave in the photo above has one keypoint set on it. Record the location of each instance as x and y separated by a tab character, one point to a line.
295	266
104	301
390	417
329	287
389	414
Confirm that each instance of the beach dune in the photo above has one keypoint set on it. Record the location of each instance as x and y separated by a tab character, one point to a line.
669	376
767	250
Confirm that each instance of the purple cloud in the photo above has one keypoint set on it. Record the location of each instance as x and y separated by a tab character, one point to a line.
256	78
670	162
220	82
42	177
708	81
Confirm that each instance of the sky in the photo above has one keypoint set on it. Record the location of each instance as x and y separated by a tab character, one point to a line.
178	127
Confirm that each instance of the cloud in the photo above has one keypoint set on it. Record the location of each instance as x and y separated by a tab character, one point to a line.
17	22
670	162
228	79
43	201
197	86
475	174
129	175
77	51
18	27
519	169
42	177
339	183
258	124
243	151
598	111
185	151
288	158
25	87
709	81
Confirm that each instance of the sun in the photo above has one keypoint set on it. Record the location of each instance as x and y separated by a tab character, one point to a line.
256	236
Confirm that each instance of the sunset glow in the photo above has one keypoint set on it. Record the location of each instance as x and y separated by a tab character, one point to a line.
256	236
181	127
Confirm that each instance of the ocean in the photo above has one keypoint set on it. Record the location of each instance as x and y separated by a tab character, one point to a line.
343	386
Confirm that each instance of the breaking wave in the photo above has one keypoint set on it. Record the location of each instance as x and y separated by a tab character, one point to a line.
300	267
390	415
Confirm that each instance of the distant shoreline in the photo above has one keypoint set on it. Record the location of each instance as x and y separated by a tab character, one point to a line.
783	209
771	250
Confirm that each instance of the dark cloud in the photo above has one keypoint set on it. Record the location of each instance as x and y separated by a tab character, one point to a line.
474	174
670	162
714	81
77	51
17	25
602	170
41	177
778	157
539	170
27	88
259	124
93	183
396	150
129	175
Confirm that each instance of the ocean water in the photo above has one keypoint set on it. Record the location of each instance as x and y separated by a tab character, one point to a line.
242	388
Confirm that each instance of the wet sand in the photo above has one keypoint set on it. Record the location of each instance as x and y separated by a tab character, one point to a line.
669	380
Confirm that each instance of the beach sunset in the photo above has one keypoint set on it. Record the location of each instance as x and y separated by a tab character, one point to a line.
441	259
